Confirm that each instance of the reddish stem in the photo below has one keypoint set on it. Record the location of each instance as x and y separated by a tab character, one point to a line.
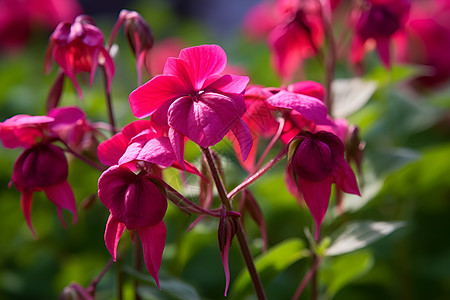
240	233
307	278
259	173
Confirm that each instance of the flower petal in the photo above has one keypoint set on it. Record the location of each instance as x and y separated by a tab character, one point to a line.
205	121
113	231
110	151
311	108
154	150
345	177
317	197
177	141
148	97
26	199
132	199
62	196
203	61
229	84
244	138
153	240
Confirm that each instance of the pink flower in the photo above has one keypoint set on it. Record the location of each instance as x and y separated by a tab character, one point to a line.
427	42
193	100
317	160
141	144
299	104
139	36
42	166
378	20
19	18
78	47
135	202
295	32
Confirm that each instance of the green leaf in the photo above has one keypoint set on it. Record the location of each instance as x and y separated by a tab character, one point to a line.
337	272
358	235
350	95
269	265
171	288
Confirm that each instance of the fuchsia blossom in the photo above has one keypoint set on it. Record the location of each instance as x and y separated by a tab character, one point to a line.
42	166
299	104
378	20
295	32
78	47
317	160
130	188
192	99
135	202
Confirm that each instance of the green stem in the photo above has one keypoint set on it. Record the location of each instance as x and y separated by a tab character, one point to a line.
240	233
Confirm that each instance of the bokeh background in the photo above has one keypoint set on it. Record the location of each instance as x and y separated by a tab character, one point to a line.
406	177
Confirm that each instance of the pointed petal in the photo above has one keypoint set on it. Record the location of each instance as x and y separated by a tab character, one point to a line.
177	141
131	199
153	240
383	51
110	151
147	98
317	197
113	231
244	138
26	199
134	128
357	49
345	177
109	67
62	196
203	61
309	107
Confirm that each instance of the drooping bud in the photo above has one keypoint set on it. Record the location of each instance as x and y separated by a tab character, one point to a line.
139	36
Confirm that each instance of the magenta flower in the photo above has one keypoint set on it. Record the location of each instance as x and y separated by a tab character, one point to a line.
135	202
78	47
378	20
18	19
299	104
193	100
141	144
294	28
139	36
42	166
317	160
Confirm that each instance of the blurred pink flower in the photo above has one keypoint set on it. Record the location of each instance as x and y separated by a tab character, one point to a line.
317	160
427	41
78	47
192	99
378	20
18	18
295	32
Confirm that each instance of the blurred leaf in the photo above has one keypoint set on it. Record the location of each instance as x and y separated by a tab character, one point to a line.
349	95
358	235
171	288
269	265
337	272
397	73
391	159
